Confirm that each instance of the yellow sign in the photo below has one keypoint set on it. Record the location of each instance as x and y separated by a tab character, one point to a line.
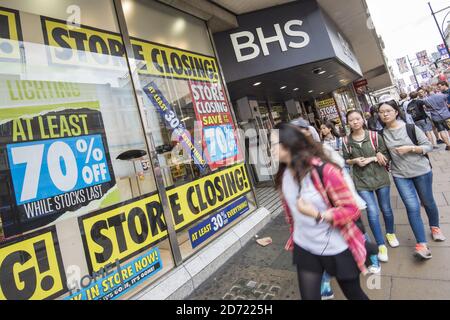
31	268
174	63
328	110
194	200
126	230
90	47
84	47
10	34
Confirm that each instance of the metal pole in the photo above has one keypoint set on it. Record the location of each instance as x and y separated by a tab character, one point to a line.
412	69
135	83
439	28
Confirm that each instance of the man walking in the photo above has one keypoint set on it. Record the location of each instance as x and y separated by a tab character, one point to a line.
417	110
443	87
440	114
404	102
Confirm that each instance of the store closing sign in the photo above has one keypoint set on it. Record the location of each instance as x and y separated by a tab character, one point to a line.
31	267
58	160
10	35
328	110
91	47
174	124
212	110
122	232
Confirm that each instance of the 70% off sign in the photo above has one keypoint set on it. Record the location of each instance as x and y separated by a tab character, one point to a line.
48	168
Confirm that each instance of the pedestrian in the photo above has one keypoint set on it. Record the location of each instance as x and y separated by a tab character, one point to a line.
330	136
369	157
302	123
440	115
443	87
417	110
423	94
324	237
404	102
412	173
374	123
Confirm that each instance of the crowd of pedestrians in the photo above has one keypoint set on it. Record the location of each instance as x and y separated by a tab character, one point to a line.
327	181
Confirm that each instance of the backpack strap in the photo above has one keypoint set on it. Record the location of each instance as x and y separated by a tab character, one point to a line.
374	140
411	129
412	134
345	144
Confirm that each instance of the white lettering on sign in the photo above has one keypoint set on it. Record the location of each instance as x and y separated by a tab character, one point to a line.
239	46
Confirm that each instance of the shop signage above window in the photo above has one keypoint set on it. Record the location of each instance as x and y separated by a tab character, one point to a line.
91	47
239	46
281	37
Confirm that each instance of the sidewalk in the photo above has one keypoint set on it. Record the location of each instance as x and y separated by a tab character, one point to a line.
265	273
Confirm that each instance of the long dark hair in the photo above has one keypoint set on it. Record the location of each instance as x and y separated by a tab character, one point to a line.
331	125
302	149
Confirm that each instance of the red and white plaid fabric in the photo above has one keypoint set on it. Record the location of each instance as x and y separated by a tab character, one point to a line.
345	211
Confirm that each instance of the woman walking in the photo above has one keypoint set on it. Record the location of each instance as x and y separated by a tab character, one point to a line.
412	173
330	136
368	156
324	236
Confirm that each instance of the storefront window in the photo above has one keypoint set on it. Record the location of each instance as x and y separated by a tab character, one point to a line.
77	192
190	119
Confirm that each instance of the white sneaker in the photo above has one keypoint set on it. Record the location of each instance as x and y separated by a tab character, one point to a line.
383	253
392	240
374	269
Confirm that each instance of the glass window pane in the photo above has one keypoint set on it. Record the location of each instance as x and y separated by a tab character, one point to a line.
190	119
77	191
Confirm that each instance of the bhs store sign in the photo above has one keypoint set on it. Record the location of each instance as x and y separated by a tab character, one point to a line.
246	49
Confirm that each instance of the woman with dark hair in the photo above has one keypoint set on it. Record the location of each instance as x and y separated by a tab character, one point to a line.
373	123
411	169
369	156
324	236
330	136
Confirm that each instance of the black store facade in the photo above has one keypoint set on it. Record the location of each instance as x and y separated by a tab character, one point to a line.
287	61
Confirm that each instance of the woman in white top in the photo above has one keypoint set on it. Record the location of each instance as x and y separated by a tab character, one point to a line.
330	136
324	235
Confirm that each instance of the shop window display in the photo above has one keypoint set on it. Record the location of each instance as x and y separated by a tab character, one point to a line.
78	198
77	193
201	160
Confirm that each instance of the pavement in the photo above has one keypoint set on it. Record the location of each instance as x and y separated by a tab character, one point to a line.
267	273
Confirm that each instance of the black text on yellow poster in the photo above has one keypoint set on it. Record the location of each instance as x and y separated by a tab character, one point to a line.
194	200
174	63
90	47
122	232
328	110
10	35
31	268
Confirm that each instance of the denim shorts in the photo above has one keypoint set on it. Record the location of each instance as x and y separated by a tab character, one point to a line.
425	125
441	125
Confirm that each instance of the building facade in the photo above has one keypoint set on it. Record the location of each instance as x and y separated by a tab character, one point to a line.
122	175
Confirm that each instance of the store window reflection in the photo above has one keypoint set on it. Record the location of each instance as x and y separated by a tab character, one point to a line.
77	191
190	120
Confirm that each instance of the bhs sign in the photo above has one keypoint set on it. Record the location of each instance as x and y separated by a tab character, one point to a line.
246	49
